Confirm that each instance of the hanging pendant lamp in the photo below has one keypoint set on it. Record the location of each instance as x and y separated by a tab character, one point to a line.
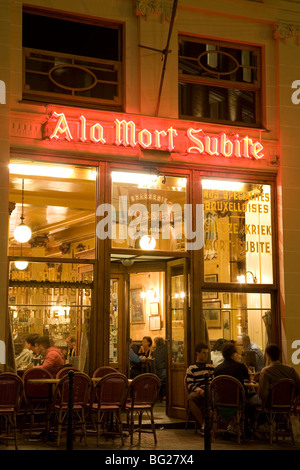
22	232
21	265
147	242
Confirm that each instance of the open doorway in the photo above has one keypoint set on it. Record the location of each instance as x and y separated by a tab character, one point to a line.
147	324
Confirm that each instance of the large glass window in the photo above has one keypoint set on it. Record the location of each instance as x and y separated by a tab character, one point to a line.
53	299
238	232
219	81
71	61
229	315
57	202
52	271
149	211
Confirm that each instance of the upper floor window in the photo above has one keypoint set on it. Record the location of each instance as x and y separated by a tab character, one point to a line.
219	82
72	61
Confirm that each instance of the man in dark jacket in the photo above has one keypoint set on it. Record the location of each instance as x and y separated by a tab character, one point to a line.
231	364
233	367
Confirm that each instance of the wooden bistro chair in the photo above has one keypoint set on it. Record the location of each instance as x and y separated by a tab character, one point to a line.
81	388
109	396
228	405
11	390
37	397
278	409
65	370
143	393
104	370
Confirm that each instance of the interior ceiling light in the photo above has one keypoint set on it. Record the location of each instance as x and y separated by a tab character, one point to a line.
222	185
242	277
147	242
22	232
21	265
140	179
41	170
127	262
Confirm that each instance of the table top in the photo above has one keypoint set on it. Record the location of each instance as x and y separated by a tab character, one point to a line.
251	384
43	381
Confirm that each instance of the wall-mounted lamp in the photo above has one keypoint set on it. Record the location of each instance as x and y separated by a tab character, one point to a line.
242	278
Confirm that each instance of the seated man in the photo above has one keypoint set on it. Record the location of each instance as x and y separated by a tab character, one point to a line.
30	354
196	384
274	372
53	357
232	365
248	345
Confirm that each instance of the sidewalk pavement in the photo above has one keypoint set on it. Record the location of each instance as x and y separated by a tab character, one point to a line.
168	439
171	436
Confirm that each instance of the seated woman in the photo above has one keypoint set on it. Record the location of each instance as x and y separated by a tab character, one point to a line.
146	348
216	352
160	356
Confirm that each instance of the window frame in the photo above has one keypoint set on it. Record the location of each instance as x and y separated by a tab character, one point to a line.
255	87
116	104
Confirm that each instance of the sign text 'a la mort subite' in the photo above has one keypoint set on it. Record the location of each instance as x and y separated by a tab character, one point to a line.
126	133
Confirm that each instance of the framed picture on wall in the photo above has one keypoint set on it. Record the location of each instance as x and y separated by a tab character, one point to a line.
212	314
155	322
154	308
137	314
210	295
226	325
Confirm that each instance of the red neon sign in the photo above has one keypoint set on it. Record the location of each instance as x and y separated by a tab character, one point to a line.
126	134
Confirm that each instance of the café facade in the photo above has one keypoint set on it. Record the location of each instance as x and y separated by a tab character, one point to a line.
152	151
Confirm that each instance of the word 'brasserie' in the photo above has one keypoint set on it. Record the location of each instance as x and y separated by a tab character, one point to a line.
127	134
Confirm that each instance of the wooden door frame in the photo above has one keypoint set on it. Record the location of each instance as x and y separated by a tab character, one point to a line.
177	410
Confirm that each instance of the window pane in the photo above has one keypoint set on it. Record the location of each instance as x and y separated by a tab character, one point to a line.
46	33
238	232
178	299
228	104
229	315
205	67
59	207
148	205
55	300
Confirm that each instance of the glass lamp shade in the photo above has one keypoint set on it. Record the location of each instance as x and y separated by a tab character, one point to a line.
21	265
22	233
147	242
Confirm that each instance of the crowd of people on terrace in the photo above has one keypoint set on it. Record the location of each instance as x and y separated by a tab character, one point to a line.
227	359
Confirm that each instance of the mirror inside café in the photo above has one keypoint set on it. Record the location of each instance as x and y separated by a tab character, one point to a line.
50	295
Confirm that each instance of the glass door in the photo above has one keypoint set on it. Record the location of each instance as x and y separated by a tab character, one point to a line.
177	298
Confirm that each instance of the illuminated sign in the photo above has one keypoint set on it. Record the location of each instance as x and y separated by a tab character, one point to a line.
125	133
